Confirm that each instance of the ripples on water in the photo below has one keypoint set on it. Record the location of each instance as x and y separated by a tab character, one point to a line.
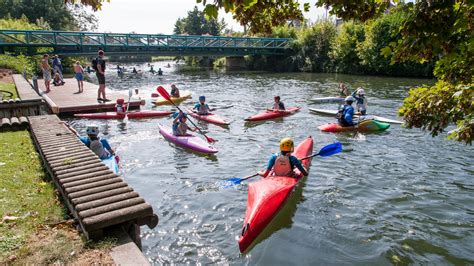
396	197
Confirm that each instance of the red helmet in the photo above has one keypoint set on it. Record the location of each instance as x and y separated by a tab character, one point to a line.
120	101
277	97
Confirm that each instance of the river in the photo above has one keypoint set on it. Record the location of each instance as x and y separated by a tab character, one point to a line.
397	197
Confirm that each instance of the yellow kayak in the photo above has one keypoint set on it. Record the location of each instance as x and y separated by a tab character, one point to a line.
162	101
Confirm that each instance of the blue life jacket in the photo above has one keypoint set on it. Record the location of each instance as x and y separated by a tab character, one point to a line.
345	114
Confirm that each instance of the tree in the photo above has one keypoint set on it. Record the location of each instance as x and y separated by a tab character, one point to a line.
54	13
197	24
433	30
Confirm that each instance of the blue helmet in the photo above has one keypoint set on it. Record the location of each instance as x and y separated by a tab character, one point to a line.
202	98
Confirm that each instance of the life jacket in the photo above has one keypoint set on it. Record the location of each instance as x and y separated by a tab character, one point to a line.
180	129
283	166
120	108
341	114
203	109
97	147
278	106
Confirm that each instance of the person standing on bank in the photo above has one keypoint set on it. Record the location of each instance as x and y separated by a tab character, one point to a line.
99	66
46	72
58	68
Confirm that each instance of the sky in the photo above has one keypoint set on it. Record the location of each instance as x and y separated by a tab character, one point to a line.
159	16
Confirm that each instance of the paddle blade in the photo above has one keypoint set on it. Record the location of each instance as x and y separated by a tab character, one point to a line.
330	149
130	93
162	91
225	184
209	139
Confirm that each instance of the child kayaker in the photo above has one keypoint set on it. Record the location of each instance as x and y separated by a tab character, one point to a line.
278	105
120	106
202	108
283	163
343	90
346	112
179	124
174	91
100	146
359	96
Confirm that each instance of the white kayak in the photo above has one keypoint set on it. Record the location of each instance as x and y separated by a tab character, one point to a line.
328	100
378	118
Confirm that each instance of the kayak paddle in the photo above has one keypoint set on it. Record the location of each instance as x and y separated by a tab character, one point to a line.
325	151
236	180
130	92
166	95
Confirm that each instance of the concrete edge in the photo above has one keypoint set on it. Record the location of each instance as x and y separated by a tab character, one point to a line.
127	252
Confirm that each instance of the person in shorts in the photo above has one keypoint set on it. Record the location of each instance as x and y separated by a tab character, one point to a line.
46	72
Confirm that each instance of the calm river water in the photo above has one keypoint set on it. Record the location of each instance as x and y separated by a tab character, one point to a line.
396	197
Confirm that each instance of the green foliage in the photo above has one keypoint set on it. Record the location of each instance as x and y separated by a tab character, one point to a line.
258	16
315	44
344	48
53	14
196	23
284	31
18	63
435	108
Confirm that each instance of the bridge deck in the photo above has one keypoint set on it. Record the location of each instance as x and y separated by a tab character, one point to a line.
65	99
96	196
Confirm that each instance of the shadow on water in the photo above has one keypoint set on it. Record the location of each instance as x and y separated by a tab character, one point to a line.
284	217
252	124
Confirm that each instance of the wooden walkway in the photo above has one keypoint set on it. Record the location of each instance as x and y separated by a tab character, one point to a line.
96	197
65	99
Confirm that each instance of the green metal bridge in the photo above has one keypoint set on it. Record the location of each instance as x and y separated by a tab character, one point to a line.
87	43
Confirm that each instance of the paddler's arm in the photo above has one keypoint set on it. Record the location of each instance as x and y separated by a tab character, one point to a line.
298	165
70	128
270	165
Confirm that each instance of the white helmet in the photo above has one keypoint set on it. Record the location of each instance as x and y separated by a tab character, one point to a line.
349	99
92	130
360	91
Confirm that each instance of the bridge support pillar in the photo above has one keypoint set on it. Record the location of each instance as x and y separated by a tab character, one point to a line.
235	63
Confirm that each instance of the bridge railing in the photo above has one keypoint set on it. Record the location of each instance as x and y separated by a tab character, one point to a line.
27	38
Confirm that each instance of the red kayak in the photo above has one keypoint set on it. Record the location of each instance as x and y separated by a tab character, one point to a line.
211	118
268	195
132	115
269	114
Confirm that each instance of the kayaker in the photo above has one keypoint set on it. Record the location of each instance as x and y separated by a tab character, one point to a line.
174	91
134	71
179	124
278	105
359	96
283	162
346	112
343	90
120	106
100	146
160	72
202	108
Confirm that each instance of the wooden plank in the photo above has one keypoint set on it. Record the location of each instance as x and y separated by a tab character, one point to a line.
64	99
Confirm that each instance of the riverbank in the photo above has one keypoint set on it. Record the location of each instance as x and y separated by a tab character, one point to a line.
34	225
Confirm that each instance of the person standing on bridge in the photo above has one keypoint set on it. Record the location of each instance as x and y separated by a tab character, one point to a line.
46	72
99	66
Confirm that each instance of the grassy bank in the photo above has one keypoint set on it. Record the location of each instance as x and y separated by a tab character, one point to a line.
34	225
9	88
